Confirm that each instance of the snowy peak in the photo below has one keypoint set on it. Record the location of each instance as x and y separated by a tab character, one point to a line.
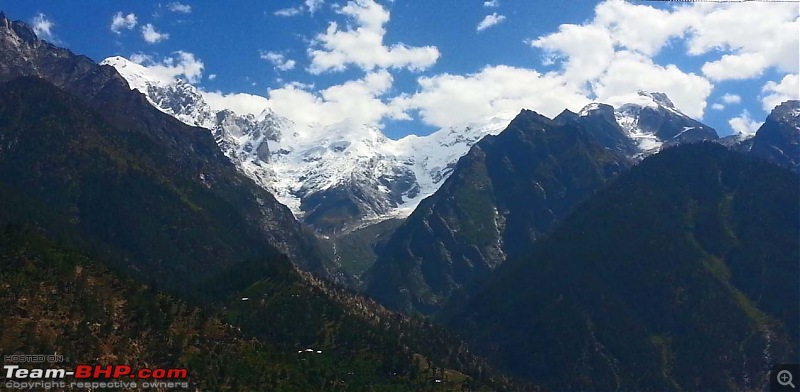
651	121
659	99
778	139
337	176
332	176
787	112
138	77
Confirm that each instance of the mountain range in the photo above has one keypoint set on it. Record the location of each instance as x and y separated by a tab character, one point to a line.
679	274
343	179
127	237
333	177
167	145
618	248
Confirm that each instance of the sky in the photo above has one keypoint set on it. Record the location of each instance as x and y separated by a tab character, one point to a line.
412	67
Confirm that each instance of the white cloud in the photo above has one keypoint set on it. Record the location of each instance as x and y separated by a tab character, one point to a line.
741	66
629	72
314	5
311	6
608	58
43	27
362	44
641	28
743	124
624	37
489	21
731	99
446	100
354	102
151	36
212	76
240	103
491	4
587	51
770	38
289	11
121	22
777	93
178	7
182	64
278	60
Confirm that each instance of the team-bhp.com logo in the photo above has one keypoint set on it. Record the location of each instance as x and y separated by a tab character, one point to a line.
94	377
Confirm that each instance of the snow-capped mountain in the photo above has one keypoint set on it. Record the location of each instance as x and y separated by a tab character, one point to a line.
644	124
340	176
334	177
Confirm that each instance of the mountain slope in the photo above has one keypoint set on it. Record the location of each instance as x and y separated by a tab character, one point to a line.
334	177
506	192
110	186
62	301
90	195
511	189
175	152
778	139
680	275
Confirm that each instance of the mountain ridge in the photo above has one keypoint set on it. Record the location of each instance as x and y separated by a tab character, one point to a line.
190	152
690	283
333	177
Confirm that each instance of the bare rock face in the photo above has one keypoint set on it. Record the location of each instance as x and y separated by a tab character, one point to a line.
189	151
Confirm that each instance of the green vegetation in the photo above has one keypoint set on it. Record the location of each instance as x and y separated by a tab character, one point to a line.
680	275
505	193
112	252
61	301
356	251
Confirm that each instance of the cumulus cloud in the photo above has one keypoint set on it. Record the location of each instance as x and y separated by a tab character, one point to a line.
212	76
238	102
769	40
489	21
776	93
354	102
362	44
180	65
624	37
740	66
629	72
586	51
178	7
608	58
446	100
121	22
43	27
278	60
491	4
731	99
151	36
311	6
743	124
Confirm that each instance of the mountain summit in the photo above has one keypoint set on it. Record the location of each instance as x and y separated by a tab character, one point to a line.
333	177
187	153
510	189
342	176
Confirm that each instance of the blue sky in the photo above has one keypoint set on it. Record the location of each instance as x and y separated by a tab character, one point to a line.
413	66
